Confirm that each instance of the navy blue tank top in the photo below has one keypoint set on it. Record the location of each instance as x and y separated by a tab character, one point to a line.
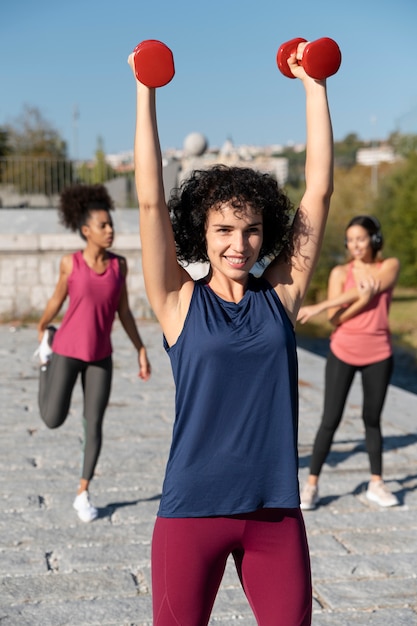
234	446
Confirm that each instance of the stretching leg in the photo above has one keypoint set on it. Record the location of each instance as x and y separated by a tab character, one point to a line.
96	381
339	377
56	384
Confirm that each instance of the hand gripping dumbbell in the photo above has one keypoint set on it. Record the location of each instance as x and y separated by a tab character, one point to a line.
321	58
154	63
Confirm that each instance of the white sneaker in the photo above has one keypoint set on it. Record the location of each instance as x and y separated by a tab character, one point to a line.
379	493
86	511
309	497
44	350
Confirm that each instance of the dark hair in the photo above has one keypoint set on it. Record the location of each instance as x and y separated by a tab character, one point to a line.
78	201
372	226
242	188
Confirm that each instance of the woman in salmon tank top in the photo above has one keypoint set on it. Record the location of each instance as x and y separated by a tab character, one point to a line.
94	280
358	303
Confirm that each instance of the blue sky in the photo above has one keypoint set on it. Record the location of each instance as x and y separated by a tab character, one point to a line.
61	55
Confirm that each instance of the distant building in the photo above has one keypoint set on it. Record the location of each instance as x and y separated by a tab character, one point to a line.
376	155
178	164
122	161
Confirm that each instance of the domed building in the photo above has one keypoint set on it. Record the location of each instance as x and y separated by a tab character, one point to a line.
195	144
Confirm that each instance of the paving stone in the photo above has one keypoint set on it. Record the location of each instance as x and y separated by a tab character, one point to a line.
56	571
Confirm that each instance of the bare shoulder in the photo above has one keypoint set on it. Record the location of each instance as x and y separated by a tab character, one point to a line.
122	263
66	264
339	272
391	263
388	272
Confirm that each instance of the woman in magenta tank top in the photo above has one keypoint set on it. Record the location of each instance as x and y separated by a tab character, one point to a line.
231	481
359	298
94	280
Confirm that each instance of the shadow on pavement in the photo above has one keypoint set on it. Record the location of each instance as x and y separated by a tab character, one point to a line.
405	361
335	457
107	511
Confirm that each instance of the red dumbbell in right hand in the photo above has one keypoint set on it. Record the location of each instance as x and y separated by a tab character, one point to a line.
154	63
321	58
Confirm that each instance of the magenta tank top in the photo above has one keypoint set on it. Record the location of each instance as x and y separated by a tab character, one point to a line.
93	301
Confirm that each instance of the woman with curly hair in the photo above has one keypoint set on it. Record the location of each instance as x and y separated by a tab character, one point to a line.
231	482
94	279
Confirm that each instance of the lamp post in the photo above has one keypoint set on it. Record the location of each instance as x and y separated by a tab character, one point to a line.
75	116
374	166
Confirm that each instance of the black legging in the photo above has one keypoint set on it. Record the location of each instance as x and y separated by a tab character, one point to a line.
339	378
56	385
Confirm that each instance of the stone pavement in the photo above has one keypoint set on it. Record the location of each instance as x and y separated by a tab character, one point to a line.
57	571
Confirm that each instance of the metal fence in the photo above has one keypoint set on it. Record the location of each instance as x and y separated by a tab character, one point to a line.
45	178
36	175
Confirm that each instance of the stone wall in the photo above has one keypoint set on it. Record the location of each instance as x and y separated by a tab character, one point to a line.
32	243
29	269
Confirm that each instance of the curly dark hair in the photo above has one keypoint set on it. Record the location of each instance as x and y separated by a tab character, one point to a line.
241	187
77	202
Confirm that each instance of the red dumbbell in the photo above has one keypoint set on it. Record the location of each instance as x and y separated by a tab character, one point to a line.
154	63
321	58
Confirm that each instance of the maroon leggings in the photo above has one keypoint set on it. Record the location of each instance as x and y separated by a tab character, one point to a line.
271	555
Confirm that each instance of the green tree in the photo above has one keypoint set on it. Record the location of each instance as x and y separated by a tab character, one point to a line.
4	143
4	151
352	196
101	171
98	171
38	160
32	135
396	207
404	145
345	150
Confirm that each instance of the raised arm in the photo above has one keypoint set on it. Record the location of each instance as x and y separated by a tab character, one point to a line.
291	280
164	278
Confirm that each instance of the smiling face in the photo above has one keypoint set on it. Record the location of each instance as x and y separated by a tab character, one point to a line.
234	239
99	228
358	243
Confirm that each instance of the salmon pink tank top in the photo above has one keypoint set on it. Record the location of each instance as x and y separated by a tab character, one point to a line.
365	338
93	301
